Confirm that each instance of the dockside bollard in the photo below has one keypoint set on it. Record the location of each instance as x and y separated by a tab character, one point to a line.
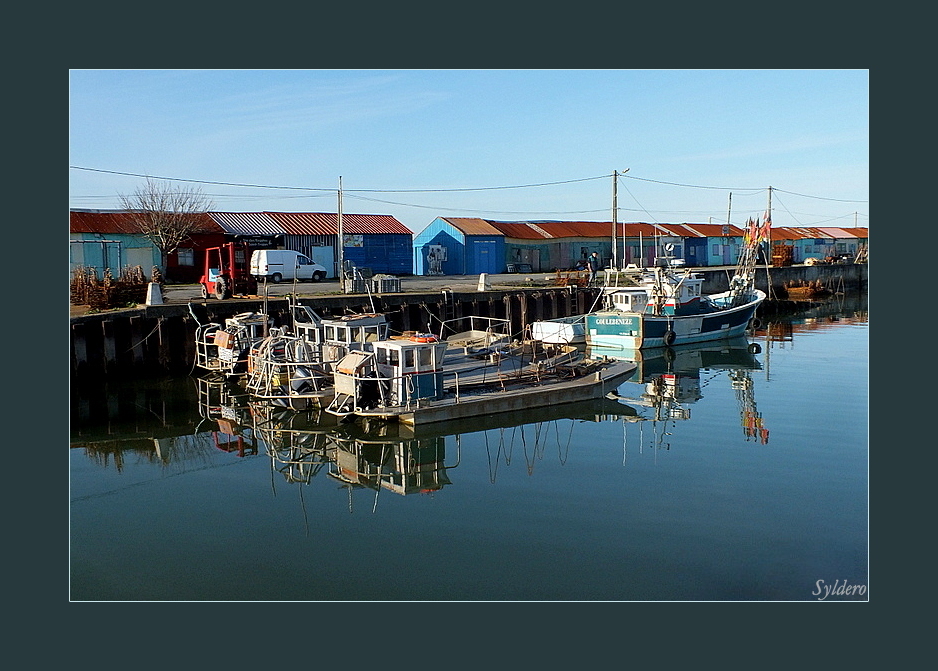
154	295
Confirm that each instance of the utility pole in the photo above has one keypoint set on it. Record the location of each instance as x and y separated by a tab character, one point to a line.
726	230
341	238
615	211
615	220
729	209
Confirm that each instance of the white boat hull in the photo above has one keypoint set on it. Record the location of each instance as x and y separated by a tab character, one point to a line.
560	331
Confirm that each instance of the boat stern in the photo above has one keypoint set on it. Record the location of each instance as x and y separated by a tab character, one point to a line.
614	330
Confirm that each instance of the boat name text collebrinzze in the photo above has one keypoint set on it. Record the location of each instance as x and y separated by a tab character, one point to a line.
613	321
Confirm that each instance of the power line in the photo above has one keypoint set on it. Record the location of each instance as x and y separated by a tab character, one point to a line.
460	209
751	190
695	186
837	200
302	188
198	181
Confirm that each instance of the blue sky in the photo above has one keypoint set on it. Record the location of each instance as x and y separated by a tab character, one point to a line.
414	143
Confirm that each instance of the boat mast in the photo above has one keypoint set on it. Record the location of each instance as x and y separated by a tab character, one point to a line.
768	239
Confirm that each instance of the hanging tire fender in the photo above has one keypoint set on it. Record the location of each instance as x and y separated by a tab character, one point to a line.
669	337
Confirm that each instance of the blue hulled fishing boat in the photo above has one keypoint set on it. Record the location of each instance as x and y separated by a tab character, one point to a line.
667	307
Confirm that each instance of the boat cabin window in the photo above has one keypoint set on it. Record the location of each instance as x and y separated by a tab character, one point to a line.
426	358
630	301
409	358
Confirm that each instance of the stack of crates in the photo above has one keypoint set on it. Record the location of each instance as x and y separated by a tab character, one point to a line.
386	284
354	285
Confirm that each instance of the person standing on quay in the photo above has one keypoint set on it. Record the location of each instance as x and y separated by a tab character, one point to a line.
594	265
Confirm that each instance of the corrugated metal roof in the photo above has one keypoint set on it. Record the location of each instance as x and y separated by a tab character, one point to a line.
634	229
246	223
521	230
786	233
327	223
473	225
100	222
711	230
836	232
674	230
577	229
120	223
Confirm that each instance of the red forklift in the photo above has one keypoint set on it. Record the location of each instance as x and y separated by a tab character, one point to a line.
227	271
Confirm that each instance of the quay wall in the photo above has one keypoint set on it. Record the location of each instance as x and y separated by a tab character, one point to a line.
160	339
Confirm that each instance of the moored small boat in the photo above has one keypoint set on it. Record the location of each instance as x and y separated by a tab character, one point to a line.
668	309
225	348
560	330
418	383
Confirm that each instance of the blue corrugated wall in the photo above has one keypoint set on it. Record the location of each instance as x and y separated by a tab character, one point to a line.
387	253
485	254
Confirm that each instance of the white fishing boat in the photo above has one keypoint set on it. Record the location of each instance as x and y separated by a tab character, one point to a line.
225	348
294	367
422	382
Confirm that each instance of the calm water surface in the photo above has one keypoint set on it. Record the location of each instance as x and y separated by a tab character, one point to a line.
719	474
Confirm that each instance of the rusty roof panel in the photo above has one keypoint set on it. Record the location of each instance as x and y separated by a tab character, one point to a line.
521	230
577	229
837	232
710	230
116	222
472	225
788	233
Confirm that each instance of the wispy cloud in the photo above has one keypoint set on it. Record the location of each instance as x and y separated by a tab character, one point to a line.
777	147
316	105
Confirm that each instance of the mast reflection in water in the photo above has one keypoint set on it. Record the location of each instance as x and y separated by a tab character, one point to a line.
675	487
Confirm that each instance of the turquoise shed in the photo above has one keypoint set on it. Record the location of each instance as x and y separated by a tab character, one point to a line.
459	246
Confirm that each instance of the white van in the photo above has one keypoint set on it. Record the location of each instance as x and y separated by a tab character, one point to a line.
285	264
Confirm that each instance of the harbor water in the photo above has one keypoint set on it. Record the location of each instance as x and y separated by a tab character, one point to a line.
727	472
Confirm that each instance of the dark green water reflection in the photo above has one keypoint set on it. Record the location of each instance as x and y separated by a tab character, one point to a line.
719	474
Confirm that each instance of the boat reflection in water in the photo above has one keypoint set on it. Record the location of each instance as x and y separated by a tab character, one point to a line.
368	454
404	459
303	444
672	380
407	460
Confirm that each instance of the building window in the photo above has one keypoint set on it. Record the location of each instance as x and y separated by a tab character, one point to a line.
185	256
716	250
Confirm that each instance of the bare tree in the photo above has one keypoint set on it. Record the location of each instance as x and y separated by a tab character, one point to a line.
166	215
